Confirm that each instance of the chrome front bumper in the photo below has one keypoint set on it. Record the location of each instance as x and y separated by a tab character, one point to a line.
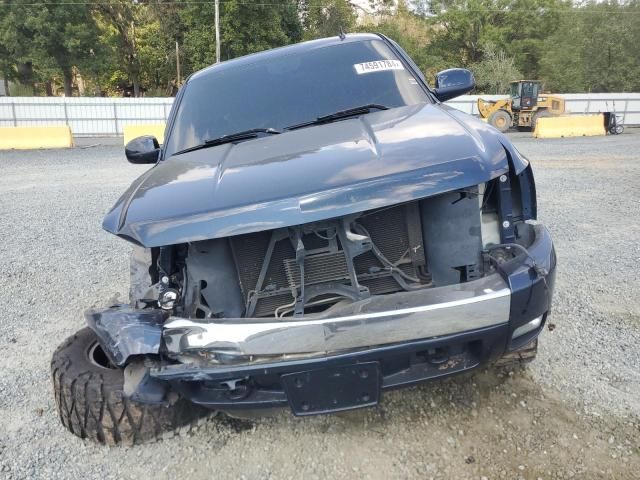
411	336
379	320
517	297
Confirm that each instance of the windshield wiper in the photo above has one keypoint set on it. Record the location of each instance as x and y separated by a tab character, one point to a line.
231	137
342	114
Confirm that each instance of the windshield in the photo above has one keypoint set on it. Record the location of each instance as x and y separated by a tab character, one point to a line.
291	89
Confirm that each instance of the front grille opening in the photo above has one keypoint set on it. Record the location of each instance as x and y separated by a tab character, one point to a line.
307	269
270	273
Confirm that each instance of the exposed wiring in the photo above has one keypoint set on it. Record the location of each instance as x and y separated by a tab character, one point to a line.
540	270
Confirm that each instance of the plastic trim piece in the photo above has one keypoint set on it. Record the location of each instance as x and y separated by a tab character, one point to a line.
124	331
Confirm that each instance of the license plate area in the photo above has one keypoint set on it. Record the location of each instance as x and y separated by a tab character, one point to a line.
333	389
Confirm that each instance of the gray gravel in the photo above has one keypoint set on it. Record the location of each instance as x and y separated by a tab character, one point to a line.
575	413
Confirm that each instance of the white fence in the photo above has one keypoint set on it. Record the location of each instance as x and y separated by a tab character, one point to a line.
627	105
107	116
86	116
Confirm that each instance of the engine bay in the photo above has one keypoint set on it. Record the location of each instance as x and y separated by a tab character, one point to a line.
307	269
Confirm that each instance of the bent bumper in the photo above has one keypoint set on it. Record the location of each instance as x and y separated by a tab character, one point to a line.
379	320
252	386
413	336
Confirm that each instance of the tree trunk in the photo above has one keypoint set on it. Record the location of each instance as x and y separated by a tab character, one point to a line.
6	87
25	75
68	78
136	88
48	88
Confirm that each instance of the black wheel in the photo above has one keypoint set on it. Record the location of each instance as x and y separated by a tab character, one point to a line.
89	396
539	114
520	357
500	120
616	130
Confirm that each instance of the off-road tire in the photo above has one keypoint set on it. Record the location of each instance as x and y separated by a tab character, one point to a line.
520	357
90	400
501	120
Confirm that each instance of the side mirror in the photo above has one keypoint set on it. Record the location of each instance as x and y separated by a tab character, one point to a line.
145	149
453	83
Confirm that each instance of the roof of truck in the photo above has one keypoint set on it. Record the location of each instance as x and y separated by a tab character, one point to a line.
286	50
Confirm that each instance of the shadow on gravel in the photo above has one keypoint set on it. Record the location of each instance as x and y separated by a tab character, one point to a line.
498	424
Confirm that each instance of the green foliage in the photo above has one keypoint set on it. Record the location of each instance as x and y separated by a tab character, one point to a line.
409	30
61	38
595	50
14	38
198	37
496	69
120	20
52	37
462	29
327	18
125	44
248	28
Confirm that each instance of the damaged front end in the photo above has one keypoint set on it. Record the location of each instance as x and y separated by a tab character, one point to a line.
370	300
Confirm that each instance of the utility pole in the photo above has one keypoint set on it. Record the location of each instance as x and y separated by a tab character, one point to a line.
217	31
177	65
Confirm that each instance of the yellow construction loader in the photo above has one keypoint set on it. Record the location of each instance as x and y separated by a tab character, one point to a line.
526	103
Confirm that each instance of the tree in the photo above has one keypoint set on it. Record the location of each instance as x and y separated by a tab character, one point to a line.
198	40
495	71
248	28
327	18
62	37
120	18
460	29
595	49
421	7
410	30
518	27
245	28
527	24
15	61
39	42
573	46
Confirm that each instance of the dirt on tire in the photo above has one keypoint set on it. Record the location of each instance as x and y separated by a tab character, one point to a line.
90	401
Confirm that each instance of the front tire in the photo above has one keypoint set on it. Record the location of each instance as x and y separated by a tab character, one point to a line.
89	396
500	120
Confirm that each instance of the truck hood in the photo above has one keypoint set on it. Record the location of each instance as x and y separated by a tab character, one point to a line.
310	174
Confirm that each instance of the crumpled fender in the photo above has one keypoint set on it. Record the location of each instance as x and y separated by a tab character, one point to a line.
486	134
124	331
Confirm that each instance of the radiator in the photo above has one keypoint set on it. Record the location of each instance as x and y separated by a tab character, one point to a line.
395	231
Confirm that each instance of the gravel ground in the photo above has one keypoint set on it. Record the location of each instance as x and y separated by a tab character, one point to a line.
574	413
